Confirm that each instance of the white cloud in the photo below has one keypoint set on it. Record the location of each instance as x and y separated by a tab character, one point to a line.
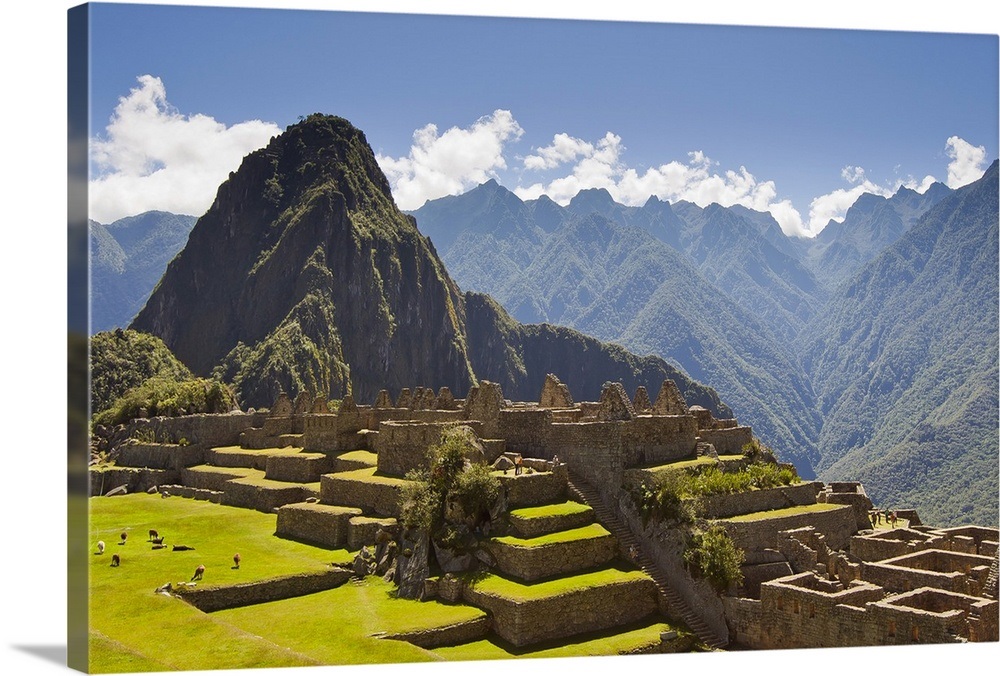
564	148
600	166
834	205
153	157
449	163
967	162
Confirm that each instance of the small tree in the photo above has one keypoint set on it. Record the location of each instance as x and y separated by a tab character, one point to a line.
450	478
713	556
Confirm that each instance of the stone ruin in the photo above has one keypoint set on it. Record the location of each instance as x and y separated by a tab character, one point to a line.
555	394
615	404
383	400
641	401
670	401
282	406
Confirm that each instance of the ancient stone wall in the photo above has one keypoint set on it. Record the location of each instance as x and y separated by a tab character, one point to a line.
382	497
176	490
594	450
796	617
722	506
950	571
743	618
135	480
324	525
403	445
837	525
537	488
656	440
526	431
882	545
727	441
301	467
453	634
576	612
159	456
858	501
211	599
529	528
262	496
203	429
665	546
536	562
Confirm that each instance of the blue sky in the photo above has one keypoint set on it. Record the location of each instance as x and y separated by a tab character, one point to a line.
795	121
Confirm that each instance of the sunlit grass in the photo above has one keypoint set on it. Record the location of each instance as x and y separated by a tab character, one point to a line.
788	511
568	508
594	530
517	591
590	645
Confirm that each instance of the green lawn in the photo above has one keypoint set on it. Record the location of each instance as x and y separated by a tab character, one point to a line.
567	508
682	464
594	530
499	586
132	625
788	511
335	626
586	646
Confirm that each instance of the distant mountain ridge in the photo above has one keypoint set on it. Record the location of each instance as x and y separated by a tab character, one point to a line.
128	258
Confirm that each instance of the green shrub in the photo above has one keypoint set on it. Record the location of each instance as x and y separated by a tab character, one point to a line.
674	495
476	489
668	498
713	556
450	477
124	359
164	396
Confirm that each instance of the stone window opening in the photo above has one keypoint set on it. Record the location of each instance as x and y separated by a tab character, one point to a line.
892	629
812	610
796	608
915	633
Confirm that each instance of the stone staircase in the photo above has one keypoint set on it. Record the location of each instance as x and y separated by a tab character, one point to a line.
670	601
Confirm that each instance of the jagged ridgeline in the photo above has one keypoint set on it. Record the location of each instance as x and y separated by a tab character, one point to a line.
305	276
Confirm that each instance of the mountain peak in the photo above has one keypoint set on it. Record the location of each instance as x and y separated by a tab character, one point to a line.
592	198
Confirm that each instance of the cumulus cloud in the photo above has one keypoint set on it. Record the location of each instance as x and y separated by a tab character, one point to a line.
834	205
600	165
154	157
968	162
452	162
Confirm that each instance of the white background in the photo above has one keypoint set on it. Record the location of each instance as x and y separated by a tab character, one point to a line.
32	382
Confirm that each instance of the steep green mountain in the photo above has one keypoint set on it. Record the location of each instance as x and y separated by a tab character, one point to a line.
303	275
904	363
128	258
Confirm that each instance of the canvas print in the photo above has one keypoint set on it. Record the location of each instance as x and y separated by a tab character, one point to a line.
409	337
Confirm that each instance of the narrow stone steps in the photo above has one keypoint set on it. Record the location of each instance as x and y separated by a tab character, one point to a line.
580	489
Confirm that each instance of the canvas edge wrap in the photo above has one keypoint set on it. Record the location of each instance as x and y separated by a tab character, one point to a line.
78	315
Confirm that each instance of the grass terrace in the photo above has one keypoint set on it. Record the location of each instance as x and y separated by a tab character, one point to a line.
594	530
336	626
568	508
788	511
518	591
135	629
614	642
